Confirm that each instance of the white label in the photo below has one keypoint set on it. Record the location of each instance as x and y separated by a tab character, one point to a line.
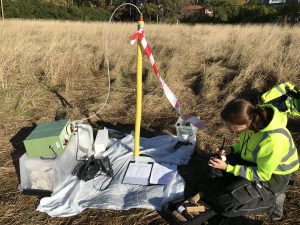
180	209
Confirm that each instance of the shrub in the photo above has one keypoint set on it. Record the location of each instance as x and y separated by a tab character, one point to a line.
38	9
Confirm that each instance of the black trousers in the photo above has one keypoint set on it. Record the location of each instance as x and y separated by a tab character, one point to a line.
234	196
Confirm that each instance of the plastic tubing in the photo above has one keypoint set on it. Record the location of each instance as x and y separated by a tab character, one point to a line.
107	61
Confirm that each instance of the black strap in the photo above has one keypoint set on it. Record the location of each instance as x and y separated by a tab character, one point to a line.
280	103
293	94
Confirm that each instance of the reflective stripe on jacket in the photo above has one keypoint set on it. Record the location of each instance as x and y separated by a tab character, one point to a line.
272	149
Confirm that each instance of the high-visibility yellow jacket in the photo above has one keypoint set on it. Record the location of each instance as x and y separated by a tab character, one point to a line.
291	102
272	149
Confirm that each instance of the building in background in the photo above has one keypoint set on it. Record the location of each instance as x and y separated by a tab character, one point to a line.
196	8
280	2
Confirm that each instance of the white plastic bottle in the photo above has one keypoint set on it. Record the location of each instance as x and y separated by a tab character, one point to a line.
85	141
101	142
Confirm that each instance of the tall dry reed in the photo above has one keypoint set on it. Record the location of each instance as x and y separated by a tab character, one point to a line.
51	66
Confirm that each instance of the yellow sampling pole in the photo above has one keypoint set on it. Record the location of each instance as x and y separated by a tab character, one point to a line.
139	93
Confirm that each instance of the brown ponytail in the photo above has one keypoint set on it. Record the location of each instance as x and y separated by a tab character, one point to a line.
259	119
241	111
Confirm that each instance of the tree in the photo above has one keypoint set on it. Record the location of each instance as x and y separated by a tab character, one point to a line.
224	10
150	10
254	2
172	9
87	2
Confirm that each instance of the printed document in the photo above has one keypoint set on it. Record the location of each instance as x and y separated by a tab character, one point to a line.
149	173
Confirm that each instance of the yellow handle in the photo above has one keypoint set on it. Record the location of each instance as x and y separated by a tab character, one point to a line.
139	93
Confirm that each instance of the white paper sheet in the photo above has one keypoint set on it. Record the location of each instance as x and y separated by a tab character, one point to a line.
149	173
162	173
138	173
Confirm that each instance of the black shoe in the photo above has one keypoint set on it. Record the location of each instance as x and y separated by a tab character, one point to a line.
277	213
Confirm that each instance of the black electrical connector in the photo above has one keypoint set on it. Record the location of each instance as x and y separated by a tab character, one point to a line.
89	169
106	167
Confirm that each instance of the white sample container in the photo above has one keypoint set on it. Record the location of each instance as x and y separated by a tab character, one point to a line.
101	141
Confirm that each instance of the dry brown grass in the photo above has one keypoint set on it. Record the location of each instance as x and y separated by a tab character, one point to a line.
204	65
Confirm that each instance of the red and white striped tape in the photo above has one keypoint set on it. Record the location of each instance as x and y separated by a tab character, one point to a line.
169	94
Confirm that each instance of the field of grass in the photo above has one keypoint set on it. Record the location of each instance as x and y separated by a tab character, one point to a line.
52	69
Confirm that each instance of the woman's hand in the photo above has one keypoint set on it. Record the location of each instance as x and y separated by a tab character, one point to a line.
225	151
217	163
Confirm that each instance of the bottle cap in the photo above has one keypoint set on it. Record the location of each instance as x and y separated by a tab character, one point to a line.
180	209
223	157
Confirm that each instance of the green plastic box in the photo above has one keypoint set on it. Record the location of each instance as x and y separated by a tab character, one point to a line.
47	139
